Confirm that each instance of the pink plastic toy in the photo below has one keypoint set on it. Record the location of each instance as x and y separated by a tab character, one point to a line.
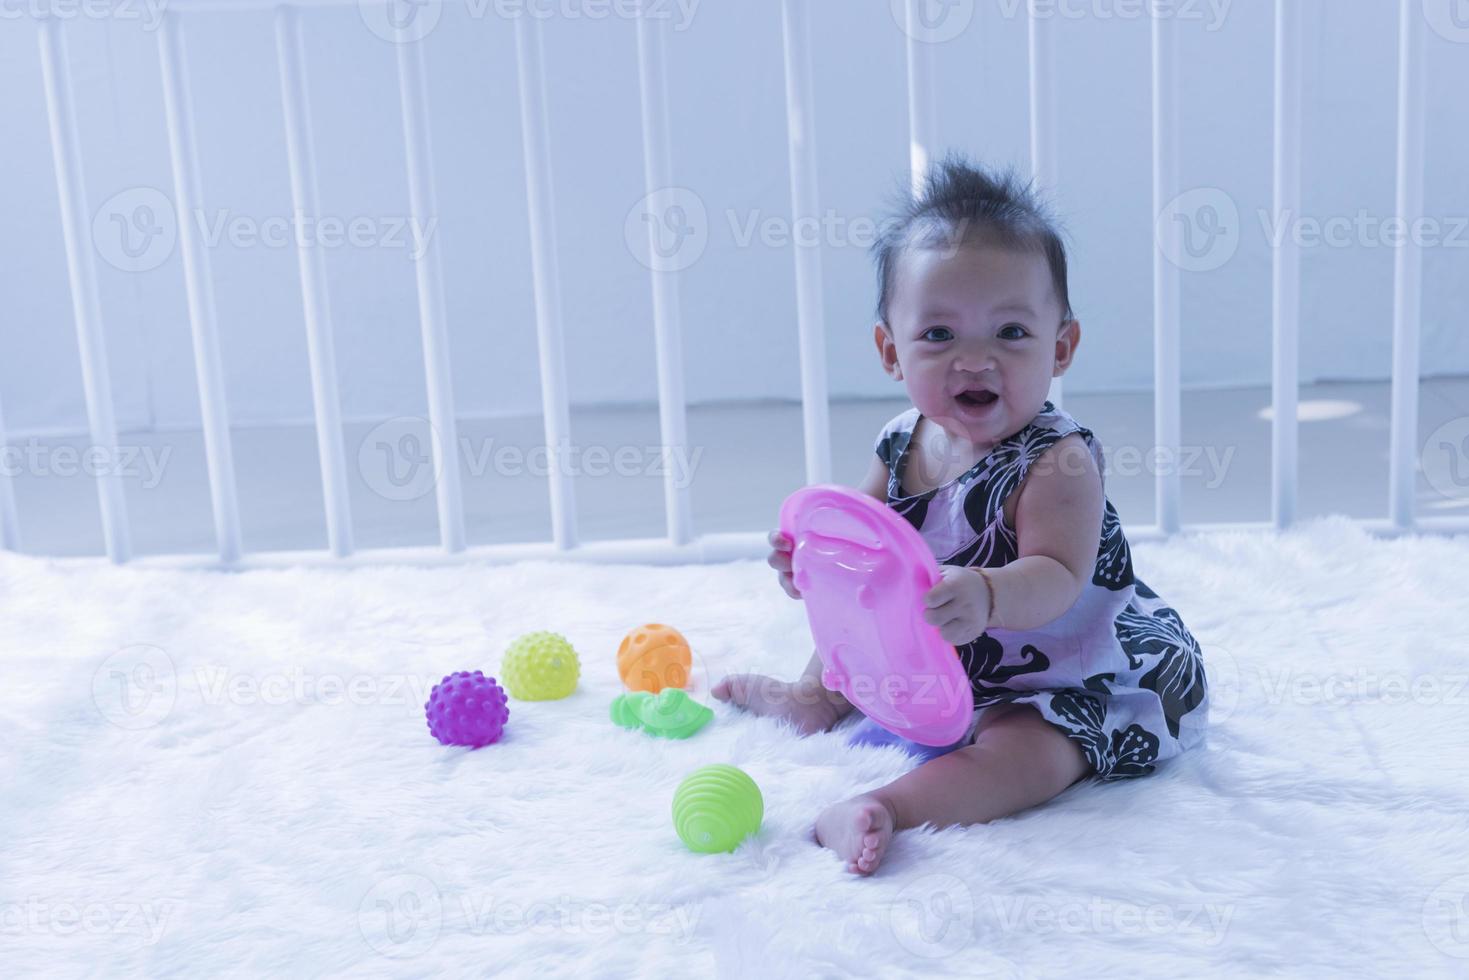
863	572
467	709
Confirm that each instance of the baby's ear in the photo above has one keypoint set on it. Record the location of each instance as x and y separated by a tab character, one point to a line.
887	350
1068	338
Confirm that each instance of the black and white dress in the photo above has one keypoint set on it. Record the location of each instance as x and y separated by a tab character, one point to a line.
1118	672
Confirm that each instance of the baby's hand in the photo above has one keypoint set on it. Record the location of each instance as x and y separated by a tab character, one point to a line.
780	560
959	605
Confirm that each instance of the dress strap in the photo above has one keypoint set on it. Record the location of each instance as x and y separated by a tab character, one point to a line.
893	440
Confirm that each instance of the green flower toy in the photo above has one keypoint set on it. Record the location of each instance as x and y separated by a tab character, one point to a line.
670	713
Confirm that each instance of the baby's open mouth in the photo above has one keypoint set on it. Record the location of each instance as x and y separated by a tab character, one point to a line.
978	397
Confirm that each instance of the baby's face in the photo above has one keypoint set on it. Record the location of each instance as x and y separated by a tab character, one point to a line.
973	333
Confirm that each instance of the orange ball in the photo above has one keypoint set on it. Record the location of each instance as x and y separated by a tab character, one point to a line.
652	657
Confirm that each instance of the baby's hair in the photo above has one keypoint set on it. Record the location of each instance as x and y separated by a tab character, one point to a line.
963	203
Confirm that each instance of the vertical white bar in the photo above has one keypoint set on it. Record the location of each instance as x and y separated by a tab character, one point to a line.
76	228
920	95
1286	267
316	306
413	93
1043	166
667	322
810	316
1166	402
9	520
1407	268
545	273
199	283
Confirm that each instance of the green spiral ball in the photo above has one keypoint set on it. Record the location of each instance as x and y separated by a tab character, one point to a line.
540	666
716	807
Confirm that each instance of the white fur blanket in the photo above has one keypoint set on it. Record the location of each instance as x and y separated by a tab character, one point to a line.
208	773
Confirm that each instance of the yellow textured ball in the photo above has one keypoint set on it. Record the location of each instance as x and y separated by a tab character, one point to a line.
540	666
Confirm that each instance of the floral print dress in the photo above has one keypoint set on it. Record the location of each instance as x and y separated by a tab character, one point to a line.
1118	672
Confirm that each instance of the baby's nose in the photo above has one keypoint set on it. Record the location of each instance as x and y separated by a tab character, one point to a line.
974	364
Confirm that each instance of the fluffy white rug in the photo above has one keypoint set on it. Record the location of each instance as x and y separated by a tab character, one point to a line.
230	774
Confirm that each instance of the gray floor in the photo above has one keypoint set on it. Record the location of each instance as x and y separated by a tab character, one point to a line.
745	459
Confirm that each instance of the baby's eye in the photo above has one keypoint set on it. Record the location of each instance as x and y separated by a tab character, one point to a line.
943	330
1020	331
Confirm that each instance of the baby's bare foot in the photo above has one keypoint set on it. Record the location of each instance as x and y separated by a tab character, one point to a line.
807	710
858	830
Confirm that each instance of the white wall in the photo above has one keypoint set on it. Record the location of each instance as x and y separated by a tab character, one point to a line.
728	115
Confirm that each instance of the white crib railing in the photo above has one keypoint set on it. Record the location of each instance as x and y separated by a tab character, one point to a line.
681	544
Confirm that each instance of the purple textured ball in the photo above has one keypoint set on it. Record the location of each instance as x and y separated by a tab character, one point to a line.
467	709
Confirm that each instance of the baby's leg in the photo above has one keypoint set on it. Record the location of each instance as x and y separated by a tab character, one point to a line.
805	703
1017	760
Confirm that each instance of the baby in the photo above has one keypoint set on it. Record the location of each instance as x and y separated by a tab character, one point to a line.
1077	668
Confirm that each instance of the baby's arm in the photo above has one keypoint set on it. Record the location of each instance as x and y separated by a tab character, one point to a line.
1058	524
